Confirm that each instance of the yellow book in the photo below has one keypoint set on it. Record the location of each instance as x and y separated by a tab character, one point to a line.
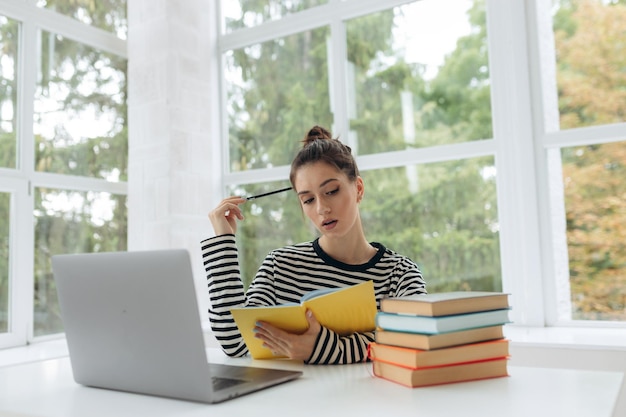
343	310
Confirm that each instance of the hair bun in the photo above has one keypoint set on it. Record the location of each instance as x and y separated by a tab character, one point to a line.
320	146
316	133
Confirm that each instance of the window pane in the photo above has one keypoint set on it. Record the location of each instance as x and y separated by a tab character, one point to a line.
414	82
80	111
591	62
274	92
5	216
8	92
109	15
239	14
269	223
595	204
443	216
71	222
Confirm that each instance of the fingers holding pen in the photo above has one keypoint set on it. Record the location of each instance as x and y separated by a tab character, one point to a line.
224	217
229	207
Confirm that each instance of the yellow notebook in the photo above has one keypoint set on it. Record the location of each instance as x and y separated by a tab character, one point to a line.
343	310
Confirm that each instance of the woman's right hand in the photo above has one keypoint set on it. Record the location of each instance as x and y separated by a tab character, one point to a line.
224	216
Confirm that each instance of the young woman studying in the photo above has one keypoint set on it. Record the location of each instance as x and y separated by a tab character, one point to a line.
326	180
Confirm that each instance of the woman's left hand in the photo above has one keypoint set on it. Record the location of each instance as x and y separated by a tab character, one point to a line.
291	345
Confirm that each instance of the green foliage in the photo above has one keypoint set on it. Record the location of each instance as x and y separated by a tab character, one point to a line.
461	90
368	35
447	224
285	83
82	80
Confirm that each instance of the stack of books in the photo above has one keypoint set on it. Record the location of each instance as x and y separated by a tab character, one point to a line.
440	338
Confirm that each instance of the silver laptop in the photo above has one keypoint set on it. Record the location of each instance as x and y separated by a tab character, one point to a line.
132	324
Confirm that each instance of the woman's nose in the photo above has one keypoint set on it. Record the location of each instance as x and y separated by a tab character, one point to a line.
322	207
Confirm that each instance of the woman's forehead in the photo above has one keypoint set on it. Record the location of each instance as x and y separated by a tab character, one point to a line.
312	176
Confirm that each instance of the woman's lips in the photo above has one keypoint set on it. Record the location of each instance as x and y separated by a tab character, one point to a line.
329	224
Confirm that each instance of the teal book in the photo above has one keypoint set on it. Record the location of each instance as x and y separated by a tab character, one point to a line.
441	324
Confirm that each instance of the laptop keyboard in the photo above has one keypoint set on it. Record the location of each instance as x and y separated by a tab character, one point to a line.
222	383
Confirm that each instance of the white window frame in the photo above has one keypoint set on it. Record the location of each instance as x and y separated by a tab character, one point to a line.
21	181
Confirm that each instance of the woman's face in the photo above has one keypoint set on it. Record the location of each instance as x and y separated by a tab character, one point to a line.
329	198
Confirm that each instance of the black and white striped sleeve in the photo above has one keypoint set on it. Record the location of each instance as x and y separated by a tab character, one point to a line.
333	349
407	279
219	255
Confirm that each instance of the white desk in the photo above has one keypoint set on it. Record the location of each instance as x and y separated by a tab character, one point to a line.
47	389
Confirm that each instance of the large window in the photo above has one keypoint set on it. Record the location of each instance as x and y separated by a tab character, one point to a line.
452	131
63	147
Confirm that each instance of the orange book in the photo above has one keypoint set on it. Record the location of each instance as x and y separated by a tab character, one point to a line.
422	377
417	358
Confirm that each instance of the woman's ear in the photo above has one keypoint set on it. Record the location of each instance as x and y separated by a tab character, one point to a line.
360	189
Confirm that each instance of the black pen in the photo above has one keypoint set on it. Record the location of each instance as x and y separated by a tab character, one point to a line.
270	193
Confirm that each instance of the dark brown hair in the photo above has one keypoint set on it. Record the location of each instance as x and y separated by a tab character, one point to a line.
320	146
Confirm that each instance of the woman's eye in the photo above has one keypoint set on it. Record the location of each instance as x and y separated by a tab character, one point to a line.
333	191
307	201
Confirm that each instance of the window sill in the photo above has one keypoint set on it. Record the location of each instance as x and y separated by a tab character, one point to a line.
593	338
544	337
39	351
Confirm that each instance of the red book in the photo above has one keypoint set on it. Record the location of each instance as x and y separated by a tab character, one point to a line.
422	377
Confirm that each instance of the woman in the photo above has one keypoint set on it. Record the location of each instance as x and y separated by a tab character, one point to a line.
326	180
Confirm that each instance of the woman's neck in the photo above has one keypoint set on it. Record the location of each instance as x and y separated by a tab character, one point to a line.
354	250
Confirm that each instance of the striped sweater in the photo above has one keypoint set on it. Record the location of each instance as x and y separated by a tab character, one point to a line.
288	273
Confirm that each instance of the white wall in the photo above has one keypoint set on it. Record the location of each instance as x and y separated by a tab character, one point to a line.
169	71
